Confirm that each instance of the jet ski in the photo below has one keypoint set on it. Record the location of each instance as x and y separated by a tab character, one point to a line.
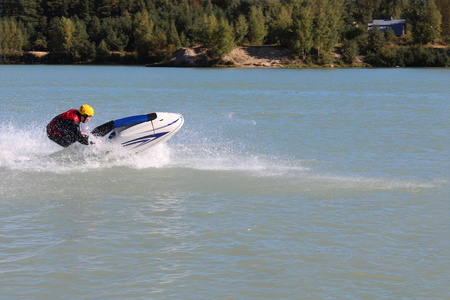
138	133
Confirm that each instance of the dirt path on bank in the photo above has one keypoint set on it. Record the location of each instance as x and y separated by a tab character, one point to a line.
243	57
262	56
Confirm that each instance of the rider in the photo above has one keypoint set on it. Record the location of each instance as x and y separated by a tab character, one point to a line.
64	129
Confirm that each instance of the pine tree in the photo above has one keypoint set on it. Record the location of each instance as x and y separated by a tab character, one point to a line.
435	18
102	51
143	35
425	20
223	40
376	40
12	38
203	29
279	28
81	50
240	29
173	37
302	32
61	37
444	9
256	26
327	26
350	51
159	44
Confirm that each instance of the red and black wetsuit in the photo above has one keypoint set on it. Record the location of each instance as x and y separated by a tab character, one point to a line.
65	129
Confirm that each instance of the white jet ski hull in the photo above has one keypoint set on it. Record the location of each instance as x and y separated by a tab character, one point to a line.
138	133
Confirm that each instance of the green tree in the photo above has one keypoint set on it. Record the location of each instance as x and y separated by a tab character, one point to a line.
30	17
240	29
320	27
302	32
159	44
444	9
104	8
116	32
94	30
279	28
102	51
223	39
62	32
376	40
12	38
435	17
426	21
399	7
203	29
82	49
328	25
256	26
367	10
173	37
143	30
55	9
350	51
389	35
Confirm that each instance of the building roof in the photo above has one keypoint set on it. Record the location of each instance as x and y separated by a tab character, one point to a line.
396	25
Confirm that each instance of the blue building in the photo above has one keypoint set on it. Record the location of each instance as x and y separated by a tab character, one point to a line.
398	26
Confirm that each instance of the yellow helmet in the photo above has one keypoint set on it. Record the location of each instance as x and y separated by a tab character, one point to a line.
86	110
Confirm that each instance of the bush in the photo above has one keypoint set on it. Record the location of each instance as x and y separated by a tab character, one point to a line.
350	51
412	56
376	40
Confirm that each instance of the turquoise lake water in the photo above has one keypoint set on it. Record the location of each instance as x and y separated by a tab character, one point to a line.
282	184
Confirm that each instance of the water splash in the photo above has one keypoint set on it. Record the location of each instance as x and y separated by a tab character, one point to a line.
29	150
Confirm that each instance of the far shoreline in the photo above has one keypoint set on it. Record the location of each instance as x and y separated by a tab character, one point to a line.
245	57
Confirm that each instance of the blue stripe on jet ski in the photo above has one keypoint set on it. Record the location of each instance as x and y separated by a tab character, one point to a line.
144	139
168	124
163	126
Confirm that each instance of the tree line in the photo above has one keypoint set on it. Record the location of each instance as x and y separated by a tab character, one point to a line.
93	31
